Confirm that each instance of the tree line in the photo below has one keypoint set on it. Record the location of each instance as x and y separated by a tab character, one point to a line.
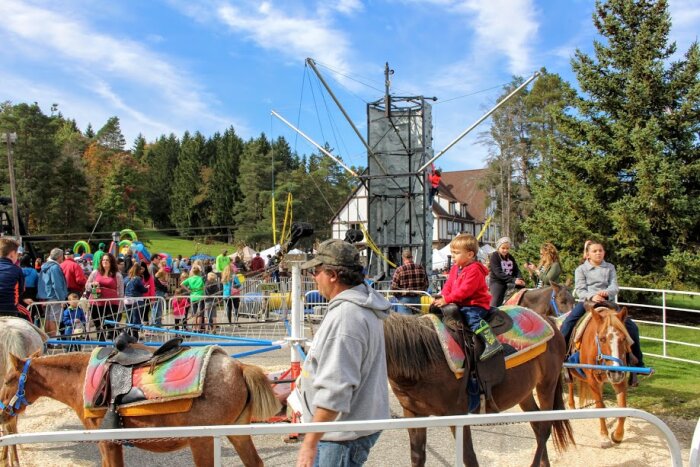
614	160
67	179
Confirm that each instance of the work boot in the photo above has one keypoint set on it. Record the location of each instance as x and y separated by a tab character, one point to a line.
489	338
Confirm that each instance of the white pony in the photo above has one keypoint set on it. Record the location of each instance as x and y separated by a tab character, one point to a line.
20	338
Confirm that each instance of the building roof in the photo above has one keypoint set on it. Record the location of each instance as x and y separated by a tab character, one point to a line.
465	186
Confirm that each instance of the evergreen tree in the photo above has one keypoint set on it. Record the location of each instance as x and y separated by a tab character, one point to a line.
187	204
139	147
626	166
35	152
89	132
122	199
252	212
110	135
225	193
160	159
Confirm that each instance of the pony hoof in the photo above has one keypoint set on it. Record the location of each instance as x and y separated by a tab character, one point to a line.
605	443
615	439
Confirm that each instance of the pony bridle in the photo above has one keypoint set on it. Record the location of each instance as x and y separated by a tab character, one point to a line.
19	399
553	302
601	357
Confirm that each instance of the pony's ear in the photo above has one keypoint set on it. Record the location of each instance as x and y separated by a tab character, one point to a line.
595	313
554	285
622	314
36	354
15	361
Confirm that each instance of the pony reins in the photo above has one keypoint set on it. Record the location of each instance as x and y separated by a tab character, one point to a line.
19	399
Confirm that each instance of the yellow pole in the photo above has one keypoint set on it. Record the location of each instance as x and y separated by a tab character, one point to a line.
483	229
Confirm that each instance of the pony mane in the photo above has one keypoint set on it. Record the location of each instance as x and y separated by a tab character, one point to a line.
412	347
611	319
20	338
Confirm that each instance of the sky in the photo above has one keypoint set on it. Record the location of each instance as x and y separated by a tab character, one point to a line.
165	66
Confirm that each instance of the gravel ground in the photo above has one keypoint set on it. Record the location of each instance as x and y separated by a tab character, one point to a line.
495	445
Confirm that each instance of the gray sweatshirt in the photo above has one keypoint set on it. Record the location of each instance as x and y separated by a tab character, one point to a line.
345	368
592	279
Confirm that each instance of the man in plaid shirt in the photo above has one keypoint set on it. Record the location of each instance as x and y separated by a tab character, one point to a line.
409	276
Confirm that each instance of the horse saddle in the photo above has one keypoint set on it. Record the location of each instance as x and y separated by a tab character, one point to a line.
116	387
488	373
499	320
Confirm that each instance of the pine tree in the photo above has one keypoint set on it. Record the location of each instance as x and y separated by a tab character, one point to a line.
160	160
626	167
186	203
225	169
252	212
110	135
139	147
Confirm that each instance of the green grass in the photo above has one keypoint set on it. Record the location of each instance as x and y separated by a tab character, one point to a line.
673	350
678	301
158	242
673	389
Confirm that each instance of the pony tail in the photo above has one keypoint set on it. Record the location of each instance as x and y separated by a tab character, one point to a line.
263	402
562	433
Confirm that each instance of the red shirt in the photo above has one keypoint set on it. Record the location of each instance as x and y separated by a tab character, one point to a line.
434	180
467	286
257	263
75	277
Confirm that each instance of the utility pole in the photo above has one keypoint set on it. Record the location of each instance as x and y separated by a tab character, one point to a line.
11	138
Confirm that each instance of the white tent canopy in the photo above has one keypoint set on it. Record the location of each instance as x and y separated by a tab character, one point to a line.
246	253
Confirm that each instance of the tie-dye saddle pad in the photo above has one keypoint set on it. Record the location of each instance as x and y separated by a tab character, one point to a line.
526	339
180	377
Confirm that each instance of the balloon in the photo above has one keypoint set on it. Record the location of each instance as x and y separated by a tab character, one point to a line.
140	252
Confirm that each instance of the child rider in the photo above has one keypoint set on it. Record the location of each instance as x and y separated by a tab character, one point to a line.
466	287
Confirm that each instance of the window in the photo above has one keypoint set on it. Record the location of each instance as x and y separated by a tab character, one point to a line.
453	208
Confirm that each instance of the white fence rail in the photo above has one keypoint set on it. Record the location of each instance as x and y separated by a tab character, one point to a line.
459	422
663	310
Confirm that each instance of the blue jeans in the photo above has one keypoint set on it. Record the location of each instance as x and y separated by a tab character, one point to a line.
345	453
567	328
473	316
156	311
404	310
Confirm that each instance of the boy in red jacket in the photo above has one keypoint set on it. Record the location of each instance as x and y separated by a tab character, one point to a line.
466	287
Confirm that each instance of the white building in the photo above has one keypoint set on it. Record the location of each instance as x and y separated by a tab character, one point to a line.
462	205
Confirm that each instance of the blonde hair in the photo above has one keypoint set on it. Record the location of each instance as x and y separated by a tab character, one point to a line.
226	274
211	276
161	274
466	242
549	253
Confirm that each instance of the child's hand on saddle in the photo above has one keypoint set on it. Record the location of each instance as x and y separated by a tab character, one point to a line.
597	298
439	302
520	282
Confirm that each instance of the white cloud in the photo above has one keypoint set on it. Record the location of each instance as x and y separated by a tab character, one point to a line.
295	37
92	56
348	7
506	27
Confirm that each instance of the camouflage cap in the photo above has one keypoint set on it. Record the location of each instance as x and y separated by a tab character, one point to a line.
334	253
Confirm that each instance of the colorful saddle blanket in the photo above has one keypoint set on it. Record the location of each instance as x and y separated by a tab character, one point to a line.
181	377
516	297
528	338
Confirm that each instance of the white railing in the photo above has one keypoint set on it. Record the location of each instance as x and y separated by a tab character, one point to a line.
458	422
665	325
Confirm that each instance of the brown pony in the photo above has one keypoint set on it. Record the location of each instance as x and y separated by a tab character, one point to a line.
554	300
605	341
425	385
233	393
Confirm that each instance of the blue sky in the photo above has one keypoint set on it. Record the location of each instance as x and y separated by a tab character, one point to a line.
175	65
